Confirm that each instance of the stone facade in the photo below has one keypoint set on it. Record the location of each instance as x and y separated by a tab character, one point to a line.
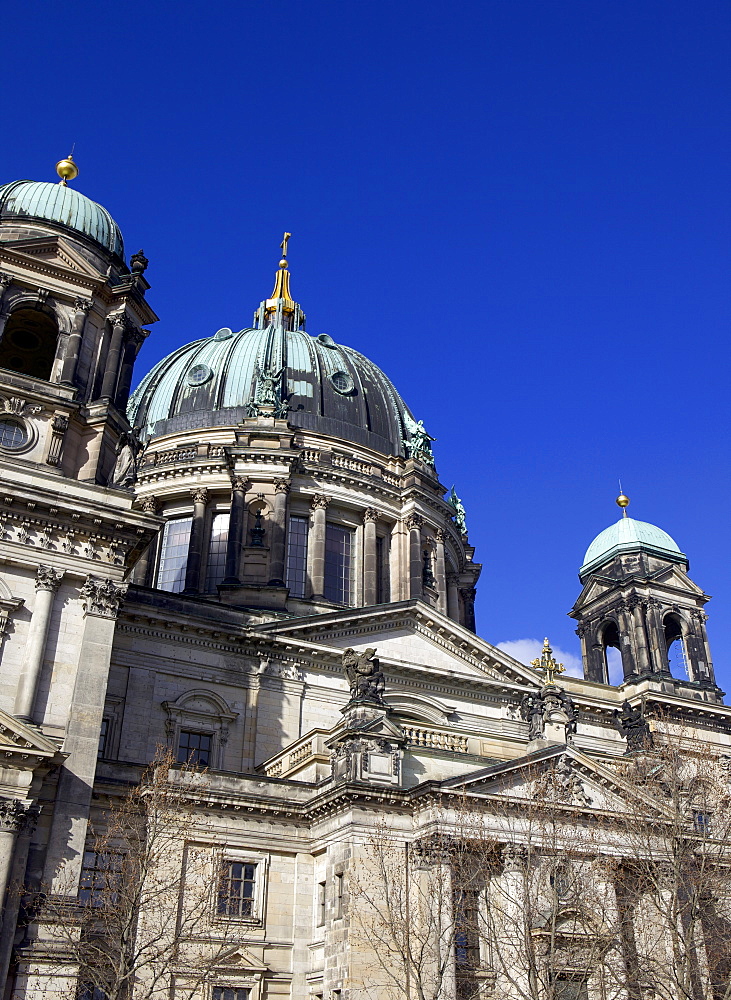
319	717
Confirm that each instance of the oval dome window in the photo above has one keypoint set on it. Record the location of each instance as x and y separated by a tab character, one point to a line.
326	339
342	382
225	333
199	374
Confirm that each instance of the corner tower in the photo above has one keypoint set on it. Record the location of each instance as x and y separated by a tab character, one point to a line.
637	598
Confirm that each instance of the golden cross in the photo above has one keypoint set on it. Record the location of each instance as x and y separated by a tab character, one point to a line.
283	244
547	664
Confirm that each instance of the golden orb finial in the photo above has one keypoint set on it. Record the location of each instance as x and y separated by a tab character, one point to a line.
623	502
67	169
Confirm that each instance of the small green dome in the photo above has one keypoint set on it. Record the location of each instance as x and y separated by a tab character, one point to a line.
64	206
628	535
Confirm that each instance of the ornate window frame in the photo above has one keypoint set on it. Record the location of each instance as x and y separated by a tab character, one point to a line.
204	711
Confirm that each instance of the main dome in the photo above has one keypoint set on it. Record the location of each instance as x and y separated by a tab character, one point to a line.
64	206
629	535
326	387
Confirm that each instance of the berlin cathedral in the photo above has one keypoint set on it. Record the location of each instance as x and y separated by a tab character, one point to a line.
250	561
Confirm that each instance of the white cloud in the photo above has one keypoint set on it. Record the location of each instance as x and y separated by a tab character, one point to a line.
525	650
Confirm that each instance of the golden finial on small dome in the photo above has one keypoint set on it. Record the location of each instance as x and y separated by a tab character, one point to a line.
622	500
67	169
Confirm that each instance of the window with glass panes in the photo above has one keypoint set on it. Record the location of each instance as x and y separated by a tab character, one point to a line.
466	934
338	563
297	556
194	748
231	993
174	554
103	737
100	875
383	580
236	890
216	569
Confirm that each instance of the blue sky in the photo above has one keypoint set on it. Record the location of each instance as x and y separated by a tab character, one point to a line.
519	209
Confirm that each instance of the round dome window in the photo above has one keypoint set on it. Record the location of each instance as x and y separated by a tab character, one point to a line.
199	374
326	339
223	334
13	434
342	382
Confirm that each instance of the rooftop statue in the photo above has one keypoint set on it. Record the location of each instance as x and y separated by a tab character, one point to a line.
418	444
460	515
364	675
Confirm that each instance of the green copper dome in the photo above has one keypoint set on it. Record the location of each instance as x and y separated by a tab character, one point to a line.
628	535
61	205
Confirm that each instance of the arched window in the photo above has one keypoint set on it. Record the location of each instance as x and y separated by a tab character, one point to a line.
28	344
675	645
610	641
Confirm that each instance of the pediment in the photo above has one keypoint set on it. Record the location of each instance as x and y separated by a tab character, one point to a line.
565	775
52	250
674	576
241	960
22	745
410	634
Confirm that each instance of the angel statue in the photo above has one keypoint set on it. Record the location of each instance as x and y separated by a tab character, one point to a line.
364	675
419	441
267	381
460	515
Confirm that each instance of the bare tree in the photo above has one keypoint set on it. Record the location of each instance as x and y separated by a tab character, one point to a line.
151	889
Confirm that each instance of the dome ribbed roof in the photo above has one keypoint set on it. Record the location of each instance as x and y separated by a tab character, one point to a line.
327	387
629	535
63	205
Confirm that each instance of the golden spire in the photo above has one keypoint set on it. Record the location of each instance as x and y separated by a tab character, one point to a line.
547	665
281	281
622	501
67	170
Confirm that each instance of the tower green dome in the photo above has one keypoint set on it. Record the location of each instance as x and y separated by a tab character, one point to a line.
629	535
64	206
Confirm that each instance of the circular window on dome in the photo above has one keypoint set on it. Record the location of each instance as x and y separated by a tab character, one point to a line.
13	434
199	374
326	340
223	334
342	382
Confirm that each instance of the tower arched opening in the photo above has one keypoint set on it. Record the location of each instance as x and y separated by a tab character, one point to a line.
609	639
677	654
28	344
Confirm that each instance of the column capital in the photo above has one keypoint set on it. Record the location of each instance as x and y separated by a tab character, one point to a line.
240	483
83	305
414	522
441	535
150	504
200	494
371	514
102	597
319	500
48	578
119	320
282	486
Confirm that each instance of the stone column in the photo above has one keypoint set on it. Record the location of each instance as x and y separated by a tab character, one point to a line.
468	602
370	557
638	623
73	344
101	599
111	368
508	896
414	523
278	536
134	342
657	637
6	281
47	583
236	526
441	570
453	596
626	646
317	543
17	821
195	546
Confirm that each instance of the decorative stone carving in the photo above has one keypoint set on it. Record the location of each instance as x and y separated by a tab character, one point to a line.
282	486
414	522
370	514
427	574
17	816
319	500
240	483
139	262
199	494
150	504
102	597
268	381
20	408
568	784
364	676
515	858
59	426
549	707
124	474
441	535
48	578
83	305
634	727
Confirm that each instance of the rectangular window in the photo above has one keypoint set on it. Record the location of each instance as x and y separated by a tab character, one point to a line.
194	748
231	993
321	896
466	933
88	991
702	823
100	875
297	556
103	737
338	563
174	554
339	886
383	577
236	890
216	568
570	988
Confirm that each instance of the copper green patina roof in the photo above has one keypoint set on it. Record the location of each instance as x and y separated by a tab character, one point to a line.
629	535
64	206
325	386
